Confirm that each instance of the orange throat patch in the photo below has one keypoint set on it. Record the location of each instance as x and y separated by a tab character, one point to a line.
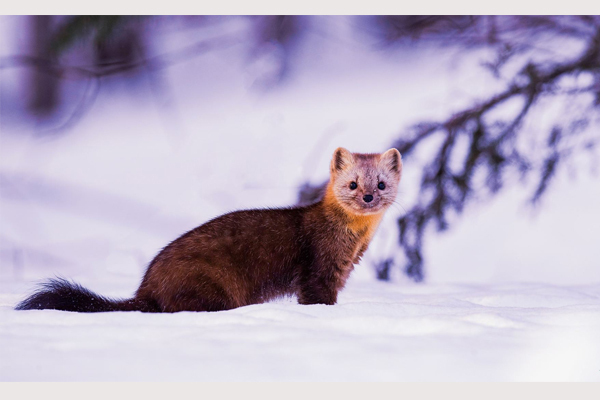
363	225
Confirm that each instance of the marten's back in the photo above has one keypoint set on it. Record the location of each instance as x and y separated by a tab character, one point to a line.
243	257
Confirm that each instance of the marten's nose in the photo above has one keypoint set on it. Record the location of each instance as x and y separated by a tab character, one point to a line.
367	198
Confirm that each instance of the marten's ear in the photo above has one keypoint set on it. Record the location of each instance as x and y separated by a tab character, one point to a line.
392	160
341	160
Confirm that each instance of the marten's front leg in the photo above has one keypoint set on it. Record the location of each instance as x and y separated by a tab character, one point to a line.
318	284
361	250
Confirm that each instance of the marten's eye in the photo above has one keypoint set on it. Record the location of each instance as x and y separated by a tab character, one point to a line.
381	186
353	185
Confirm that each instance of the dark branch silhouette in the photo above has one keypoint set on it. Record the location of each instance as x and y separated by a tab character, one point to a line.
492	148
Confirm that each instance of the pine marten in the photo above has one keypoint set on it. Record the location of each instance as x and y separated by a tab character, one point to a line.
252	256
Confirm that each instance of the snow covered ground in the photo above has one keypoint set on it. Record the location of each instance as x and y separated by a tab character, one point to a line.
508	295
377	332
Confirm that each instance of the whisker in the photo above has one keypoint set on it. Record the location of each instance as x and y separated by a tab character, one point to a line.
395	206
398	204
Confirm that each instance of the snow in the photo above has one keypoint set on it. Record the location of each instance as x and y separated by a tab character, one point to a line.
376	332
509	294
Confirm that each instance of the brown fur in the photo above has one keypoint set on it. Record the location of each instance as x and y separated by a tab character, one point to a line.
252	256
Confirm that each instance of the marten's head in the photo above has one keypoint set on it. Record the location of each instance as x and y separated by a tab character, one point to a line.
365	183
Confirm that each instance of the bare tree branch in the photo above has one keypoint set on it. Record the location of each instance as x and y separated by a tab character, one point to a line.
113	68
492	147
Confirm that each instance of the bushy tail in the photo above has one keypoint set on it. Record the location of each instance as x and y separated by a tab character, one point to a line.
60	294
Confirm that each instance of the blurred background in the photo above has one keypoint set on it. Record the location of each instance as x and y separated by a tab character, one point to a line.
119	133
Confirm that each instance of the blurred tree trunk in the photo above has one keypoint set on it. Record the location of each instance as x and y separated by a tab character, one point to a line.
43	87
